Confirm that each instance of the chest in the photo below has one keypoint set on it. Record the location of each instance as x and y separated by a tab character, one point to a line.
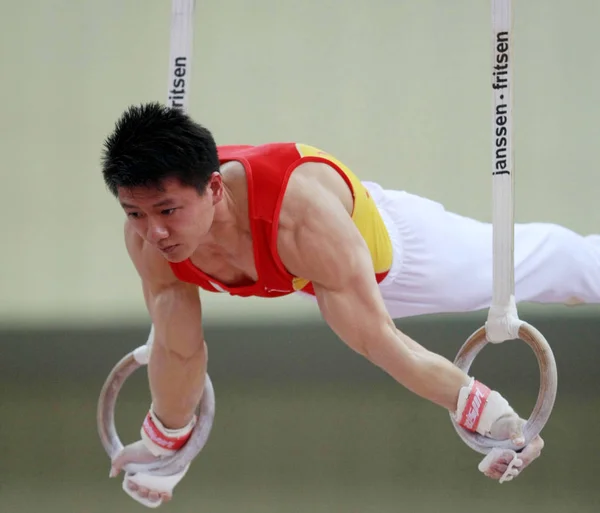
231	263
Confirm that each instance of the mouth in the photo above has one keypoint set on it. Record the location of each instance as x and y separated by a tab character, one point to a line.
169	249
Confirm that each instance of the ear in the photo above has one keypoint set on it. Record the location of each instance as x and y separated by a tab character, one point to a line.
215	185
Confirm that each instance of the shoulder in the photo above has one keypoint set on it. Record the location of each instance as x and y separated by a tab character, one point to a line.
233	173
314	189
317	238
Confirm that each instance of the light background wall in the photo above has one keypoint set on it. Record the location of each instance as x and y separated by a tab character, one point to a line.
396	89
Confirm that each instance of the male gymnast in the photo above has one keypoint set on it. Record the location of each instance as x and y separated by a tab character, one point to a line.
287	218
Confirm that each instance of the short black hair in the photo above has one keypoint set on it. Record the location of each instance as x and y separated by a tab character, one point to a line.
151	143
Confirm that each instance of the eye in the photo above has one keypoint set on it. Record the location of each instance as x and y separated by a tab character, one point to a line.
134	215
167	211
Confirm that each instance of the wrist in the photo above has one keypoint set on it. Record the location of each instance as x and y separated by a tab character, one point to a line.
163	441
479	407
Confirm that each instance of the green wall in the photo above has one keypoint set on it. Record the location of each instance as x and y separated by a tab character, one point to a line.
302	424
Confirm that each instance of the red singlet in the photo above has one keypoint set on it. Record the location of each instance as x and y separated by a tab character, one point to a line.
268	168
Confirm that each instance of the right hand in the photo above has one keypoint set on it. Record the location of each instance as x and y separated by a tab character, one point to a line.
147	489
156	442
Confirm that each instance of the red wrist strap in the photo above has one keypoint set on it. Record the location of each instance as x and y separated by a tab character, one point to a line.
173	443
475	405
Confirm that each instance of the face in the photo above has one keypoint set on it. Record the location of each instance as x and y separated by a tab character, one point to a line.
175	219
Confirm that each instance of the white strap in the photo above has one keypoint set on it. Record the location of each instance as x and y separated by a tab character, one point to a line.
142	353
180	55
503	321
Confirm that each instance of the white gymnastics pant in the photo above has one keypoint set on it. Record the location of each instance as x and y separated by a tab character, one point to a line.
443	261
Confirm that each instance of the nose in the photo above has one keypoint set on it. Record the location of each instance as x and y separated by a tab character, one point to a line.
156	231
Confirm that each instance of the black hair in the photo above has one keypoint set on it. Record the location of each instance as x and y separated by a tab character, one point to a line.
151	143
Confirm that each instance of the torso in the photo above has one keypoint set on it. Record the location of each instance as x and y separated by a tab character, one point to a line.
278	175
231	261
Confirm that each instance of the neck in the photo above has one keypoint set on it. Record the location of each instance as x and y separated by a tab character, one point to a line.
225	219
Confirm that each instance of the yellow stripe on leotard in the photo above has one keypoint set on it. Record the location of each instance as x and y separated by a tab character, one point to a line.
365	215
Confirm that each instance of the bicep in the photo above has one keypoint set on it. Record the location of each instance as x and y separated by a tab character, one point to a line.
327	249
354	308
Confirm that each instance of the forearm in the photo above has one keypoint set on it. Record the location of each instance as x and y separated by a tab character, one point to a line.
374	335
427	374
178	359
176	383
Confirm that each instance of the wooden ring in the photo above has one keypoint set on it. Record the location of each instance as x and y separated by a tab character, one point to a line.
546	395
105	420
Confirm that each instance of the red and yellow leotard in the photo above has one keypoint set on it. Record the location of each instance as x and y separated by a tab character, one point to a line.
268	168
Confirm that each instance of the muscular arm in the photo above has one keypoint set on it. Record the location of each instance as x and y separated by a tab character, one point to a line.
324	246
177	363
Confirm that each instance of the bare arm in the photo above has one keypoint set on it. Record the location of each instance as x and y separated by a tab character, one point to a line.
324	246
178	359
319	242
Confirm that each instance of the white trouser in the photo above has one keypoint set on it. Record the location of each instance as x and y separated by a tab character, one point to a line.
443	261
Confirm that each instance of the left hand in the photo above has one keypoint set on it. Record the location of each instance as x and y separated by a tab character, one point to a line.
147	489
487	412
505	464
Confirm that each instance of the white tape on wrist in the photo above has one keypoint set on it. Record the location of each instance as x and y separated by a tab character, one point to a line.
479	407
162	441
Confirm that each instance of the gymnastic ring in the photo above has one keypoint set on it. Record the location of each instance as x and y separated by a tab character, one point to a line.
546	395
105	419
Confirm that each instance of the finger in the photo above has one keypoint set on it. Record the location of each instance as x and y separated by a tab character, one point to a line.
495	473
498	470
516	432
505	457
116	464
166	497
136	452
505	460
132	486
499	463
143	492
153	496
513	469
532	451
